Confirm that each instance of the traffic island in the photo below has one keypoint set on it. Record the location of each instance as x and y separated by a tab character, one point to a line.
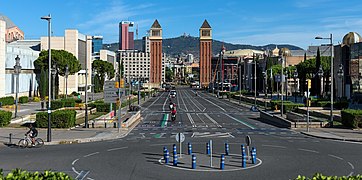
202	162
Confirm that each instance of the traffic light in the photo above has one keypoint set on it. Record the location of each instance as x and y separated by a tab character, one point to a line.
309	83
116	84
122	83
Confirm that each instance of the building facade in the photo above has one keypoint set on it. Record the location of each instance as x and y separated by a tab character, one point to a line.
126	38
156	64
97	43
80	46
12	32
205	54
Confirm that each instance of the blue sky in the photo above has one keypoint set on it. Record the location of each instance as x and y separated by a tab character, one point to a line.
257	22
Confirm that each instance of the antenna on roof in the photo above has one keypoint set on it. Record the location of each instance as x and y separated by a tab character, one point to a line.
137	31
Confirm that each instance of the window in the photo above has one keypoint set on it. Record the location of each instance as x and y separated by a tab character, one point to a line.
205	32
156	33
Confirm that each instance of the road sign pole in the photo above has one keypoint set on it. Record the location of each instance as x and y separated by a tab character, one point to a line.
210	153
179	140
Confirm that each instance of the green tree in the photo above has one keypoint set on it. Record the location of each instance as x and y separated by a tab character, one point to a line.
43	84
59	60
102	68
169	74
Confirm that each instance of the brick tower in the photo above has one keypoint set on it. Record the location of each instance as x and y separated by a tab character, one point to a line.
205	54
156	53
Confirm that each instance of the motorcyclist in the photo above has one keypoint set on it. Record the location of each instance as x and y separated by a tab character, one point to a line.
173	114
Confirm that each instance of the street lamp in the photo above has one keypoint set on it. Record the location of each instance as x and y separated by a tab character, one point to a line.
66	81
265	76
295	76
332	75
48	18
340	74
17	69
320	74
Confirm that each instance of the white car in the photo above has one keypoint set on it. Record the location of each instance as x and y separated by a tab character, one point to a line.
172	93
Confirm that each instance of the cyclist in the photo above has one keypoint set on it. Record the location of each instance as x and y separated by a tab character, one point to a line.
32	134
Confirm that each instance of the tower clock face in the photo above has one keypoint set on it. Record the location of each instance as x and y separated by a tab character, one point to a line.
156	33
205	33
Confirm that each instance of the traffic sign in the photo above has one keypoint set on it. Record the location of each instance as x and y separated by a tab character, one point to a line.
180	137
309	83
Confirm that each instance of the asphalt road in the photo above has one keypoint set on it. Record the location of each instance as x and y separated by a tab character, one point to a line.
282	153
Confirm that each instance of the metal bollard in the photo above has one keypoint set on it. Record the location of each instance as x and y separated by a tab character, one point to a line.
189	152
114	125
92	124
243	160
105	125
193	162
226	149
253	155
222	162
175	159
10	137
207	148
242	149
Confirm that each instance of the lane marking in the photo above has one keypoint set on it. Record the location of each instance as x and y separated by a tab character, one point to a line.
164	120
240	121
184	102
266	145
197	114
153	102
337	157
82	175
191	120
91	154
308	150
351	165
212	120
214	104
115	149
74	161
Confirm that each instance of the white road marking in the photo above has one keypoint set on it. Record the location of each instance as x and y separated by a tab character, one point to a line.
153	102
240	121
337	157
351	165
308	150
91	154
212	120
191	120
274	146
214	104
184	103
74	162
82	175
115	149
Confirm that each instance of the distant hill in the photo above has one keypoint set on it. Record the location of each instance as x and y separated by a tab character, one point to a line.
190	45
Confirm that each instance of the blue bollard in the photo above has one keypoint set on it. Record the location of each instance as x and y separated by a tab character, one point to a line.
242	149
175	159
222	162
193	162
207	148
164	152
253	155
226	149
189	152
243	160
167	158
174	149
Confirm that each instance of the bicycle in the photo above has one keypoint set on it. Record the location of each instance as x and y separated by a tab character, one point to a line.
26	142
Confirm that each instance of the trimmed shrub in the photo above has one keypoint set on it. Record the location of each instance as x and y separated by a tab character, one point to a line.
287	107
278	104
321	103
319	176
70	102
102	107
352	118
22	174
5	118
23	99
8	100
60	119
78	101
56	104
341	104
36	99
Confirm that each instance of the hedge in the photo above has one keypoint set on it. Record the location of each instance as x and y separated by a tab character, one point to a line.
8	100
291	106
60	119
319	176
5	118
341	104
102	107
23	99
56	104
352	118
321	103
70	102
22	174
278	103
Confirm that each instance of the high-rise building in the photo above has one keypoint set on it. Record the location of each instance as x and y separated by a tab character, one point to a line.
125	36
205	54
97	43
156	53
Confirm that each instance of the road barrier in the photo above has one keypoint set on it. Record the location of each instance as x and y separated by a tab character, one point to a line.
175	159
166	155
243	160
134	118
253	155
242	149
207	148
222	162
10	137
226	149
193	166
189	149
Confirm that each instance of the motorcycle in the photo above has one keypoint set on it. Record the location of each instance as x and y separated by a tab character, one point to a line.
173	117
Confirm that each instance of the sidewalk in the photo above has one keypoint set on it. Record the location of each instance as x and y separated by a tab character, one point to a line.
69	136
324	133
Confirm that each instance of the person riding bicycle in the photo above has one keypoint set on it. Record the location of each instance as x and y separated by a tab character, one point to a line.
32	134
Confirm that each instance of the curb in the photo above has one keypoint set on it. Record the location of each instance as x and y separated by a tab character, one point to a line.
338	139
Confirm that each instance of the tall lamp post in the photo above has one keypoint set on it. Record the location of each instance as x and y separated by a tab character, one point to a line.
265	76
295	76
17	69
48	18
320	74
340	74
66	81
332	75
